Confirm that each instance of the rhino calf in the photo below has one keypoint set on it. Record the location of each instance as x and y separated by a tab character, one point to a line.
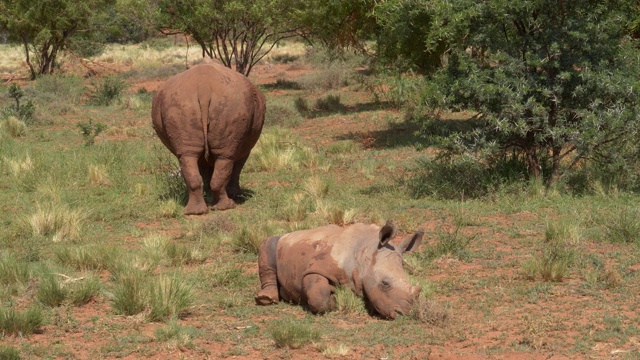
304	267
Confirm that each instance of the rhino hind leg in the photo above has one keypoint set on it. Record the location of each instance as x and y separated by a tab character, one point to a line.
193	179
319	293
233	188
267	271
221	175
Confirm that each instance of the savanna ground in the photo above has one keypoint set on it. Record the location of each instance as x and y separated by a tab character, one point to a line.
97	260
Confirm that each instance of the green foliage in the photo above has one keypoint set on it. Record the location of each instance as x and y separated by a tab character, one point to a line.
13	271
45	28
538	89
108	90
24	111
239	33
90	130
292	334
23	323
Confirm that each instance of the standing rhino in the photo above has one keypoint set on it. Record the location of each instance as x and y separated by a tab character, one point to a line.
209	117
304	267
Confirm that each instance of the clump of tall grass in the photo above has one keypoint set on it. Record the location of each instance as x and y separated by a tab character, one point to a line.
13	271
277	150
84	290
98	175
334	214
57	222
85	257
14	127
129	294
553	263
162	297
623	226
50	291
249	238
292	334
169	297
19	168
20	323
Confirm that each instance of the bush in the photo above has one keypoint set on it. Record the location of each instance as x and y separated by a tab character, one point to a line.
108	90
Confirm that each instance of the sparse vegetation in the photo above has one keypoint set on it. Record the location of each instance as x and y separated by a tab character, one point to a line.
93	240
292	334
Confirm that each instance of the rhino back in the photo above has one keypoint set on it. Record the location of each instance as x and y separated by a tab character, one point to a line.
330	251
234	111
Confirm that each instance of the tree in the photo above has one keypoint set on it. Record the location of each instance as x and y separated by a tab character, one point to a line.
554	82
45	27
238	33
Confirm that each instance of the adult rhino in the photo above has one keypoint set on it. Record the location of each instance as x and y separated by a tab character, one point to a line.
304	267
209	117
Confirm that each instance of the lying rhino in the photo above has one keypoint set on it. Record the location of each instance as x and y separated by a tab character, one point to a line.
304	267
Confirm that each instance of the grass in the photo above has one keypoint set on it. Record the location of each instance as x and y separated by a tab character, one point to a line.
97	232
292	334
23	323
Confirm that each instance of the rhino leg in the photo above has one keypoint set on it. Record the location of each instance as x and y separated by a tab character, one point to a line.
191	175
221	176
267	270
233	189
319	293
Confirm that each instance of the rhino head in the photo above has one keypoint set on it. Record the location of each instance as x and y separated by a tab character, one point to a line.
384	282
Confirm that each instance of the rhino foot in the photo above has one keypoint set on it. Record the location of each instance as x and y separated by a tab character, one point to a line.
225	204
267	296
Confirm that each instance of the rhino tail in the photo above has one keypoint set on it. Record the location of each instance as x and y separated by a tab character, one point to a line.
204	117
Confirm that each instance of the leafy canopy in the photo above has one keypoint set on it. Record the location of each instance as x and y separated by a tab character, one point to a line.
552	82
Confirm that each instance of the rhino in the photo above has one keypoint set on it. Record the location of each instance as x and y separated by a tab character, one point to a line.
305	267
209	117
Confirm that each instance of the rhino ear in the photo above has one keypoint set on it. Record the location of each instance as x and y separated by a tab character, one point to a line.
387	233
411	243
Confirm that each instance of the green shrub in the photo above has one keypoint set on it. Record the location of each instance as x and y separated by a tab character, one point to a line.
90	130
108	90
330	103
553	263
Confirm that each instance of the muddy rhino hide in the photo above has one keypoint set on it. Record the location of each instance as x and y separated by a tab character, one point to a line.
304	267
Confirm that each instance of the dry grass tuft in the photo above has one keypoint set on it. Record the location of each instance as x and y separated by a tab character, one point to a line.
57	222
